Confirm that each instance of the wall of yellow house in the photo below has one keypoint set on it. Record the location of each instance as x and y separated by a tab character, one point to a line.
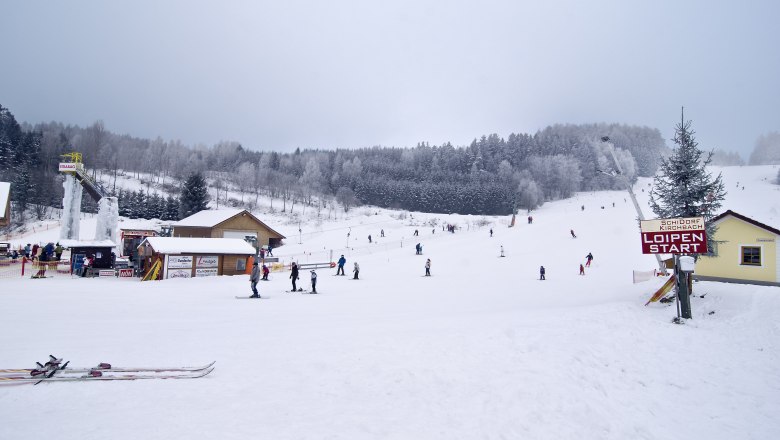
735	233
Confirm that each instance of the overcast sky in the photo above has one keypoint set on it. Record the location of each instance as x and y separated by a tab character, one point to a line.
342	73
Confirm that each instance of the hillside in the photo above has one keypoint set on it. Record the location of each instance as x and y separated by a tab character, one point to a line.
482	349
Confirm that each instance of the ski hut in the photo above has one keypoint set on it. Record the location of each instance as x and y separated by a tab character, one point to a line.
5	204
227	223
186	257
101	251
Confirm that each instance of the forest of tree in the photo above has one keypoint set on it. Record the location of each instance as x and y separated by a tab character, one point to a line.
492	175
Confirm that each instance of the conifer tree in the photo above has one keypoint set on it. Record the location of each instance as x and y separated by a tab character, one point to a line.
683	187
194	196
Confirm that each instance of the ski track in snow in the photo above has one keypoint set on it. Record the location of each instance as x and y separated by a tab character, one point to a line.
482	349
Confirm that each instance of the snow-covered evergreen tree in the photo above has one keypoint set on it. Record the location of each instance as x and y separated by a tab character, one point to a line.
194	196
683	187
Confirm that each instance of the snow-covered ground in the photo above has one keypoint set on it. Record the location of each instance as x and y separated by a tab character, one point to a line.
482	349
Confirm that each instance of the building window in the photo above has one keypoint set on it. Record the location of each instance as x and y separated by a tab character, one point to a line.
240	265
751	256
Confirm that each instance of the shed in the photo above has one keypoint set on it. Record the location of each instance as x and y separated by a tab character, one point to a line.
5	204
101	250
185	257
227	223
745	251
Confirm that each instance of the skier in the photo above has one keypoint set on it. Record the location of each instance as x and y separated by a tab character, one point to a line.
582	269
416	232
35	250
262	254
27	250
342	262
253	279
491	232
270	251
369	238
572	233
356	270
541	273
418	249
265	272
294	276
382	233
588	257
58	251
41	266
313	282
428	268
530	219
502	250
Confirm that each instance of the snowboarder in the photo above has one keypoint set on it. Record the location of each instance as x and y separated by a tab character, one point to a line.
502	250
572	233
254	277
58	251
294	276
588	257
382	233
342	262
313	282
582	269
369	238
266	271
356	270
491	232
428	268
541	273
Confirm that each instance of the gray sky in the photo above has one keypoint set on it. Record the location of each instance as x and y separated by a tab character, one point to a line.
352	73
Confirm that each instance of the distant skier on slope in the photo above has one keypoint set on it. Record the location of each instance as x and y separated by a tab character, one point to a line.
369	238
313	282
491	232
253	279
541	273
266	271
572	233
582	269
356	270
428	268
294	276
588	257
502	250
342	262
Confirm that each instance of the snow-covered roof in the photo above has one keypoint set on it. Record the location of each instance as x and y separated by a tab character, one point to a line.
86	243
188	245
5	192
208	218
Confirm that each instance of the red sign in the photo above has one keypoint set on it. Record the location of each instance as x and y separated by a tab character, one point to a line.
125	273
674	236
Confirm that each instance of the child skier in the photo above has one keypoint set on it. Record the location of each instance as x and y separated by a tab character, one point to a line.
428	268
582	269
541	273
313	282
356	270
265	273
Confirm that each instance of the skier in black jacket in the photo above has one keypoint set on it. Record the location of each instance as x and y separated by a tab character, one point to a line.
294	276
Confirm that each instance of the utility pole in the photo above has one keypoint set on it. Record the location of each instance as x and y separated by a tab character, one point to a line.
629	187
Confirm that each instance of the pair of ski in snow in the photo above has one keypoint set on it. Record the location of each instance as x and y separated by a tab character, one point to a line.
55	371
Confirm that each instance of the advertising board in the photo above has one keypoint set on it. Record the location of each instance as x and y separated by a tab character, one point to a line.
179	261
208	272
207	261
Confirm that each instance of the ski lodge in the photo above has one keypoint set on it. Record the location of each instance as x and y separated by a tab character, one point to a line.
185	257
228	223
5	204
745	251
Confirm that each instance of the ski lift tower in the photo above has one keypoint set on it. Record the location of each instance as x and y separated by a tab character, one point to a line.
76	178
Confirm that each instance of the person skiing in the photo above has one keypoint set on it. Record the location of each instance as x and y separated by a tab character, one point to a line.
356	270
262	254
58	251
572	233
369	238
35	250
416	232
588	257
502	250
294	276
582	269
491	232
382	233
270	251
530	219
254	277
266	271
313	282
342	262
27	250
418	249
428	267
541	273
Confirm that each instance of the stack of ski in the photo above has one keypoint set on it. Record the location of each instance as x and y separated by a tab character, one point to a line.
55	371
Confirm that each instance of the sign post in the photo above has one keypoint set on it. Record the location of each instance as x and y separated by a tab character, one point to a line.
677	236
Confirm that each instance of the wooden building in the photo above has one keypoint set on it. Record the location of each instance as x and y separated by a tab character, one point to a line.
5	204
195	257
227	223
746	251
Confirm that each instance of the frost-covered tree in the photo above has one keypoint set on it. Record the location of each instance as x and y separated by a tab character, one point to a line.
767	150
683	187
726	158
194	196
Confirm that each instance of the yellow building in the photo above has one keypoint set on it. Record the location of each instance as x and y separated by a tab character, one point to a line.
746	251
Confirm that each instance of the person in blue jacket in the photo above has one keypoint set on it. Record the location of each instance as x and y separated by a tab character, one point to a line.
342	262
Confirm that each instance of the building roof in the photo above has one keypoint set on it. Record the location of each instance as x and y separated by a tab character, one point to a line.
745	219
212	217
86	243
189	245
5	196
